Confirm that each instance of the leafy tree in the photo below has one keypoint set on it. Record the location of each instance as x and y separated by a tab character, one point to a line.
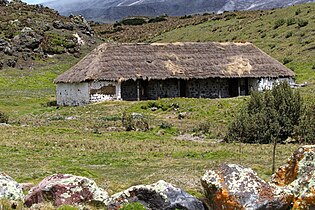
305	132
273	114
271	117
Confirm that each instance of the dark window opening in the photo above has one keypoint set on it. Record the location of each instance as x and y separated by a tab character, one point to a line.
105	90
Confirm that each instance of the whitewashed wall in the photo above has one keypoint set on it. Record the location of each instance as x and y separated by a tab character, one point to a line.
72	94
267	83
77	94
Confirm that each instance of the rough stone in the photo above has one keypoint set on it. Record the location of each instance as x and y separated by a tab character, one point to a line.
61	25
66	189
28	39
11	62
299	176
4	2
158	196
10	189
235	187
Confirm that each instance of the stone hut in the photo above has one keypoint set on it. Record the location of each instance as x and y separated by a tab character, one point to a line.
153	71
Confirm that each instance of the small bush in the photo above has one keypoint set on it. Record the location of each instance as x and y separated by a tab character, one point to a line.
133	206
272	46
298	11
289	34
111	118
263	35
4	118
67	207
186	17
287	60
278	23
313	67
135	122
165	125
133	21
157	19
302	23
156	104
291	21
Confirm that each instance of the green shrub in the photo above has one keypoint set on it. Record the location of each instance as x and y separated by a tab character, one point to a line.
273	114
313	67
287	60
133	206
111	118
186	17
263	35
133	21
298	11
67	207
165	125
291	21
289	34
302	23
157	19
135	122
156	104
4	118
306	129
278	23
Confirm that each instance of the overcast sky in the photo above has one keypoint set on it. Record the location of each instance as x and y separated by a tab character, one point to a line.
35	1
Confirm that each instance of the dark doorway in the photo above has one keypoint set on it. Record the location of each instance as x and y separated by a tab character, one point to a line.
144	89
233	87
183	88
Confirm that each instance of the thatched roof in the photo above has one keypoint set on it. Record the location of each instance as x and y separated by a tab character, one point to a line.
119	62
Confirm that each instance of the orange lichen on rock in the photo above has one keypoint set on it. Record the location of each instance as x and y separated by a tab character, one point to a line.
289	172
223	200
305	201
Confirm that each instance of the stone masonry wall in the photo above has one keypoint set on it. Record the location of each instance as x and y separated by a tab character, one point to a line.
208	88
129	90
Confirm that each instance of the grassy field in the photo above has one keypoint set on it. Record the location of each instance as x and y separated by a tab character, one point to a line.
91	141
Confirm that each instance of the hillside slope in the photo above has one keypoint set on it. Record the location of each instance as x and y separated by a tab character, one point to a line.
287	34
30	33
112	10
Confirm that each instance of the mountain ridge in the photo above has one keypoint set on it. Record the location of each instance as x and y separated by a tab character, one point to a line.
113	10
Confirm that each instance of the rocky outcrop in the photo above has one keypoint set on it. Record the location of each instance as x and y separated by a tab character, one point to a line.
158	196
299	176
4	2
66	189
33	32
10	189
235	187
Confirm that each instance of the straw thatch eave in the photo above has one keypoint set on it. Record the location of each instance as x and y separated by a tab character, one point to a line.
121	62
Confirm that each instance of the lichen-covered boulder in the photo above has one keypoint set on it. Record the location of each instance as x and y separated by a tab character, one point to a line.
66	189
299	176
235	187
158	196
10	189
